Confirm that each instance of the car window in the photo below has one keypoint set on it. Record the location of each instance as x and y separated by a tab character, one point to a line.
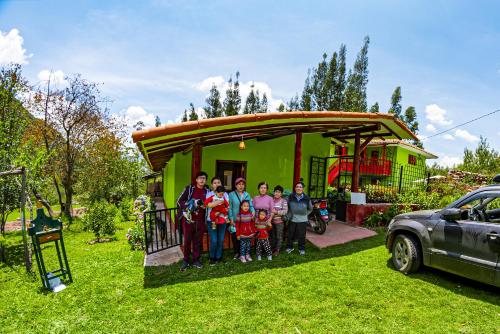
483	207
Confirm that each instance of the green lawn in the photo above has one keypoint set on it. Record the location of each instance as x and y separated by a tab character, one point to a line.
349	288
16	214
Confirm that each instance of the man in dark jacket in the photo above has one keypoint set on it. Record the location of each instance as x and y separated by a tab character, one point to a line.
193	231
299	208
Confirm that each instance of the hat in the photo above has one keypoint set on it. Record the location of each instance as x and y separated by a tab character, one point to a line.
240	179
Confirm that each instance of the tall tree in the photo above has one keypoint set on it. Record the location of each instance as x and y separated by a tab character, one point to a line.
264	107
484	159
396	103
13	121
306	100
232	102
185	116
193	116
340	81
293	104
410	118
252	103
319	88
355	95
281	107
214	107
374	108
157	121
329	86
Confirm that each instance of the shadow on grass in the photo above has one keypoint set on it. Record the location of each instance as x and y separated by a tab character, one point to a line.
456	284
155	277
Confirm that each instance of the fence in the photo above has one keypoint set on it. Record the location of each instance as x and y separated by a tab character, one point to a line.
380	179
161	231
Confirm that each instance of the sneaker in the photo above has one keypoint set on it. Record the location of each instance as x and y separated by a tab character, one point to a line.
184	265
259	258
243	259
212	262
289	250
302	252
270	258
236	256
197	265
249	259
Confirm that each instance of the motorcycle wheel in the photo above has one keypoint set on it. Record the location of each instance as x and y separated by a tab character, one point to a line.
318	224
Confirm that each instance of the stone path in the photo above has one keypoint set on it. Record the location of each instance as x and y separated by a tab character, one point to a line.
164	257
338	233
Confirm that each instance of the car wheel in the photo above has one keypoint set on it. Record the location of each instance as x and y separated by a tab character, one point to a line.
406	254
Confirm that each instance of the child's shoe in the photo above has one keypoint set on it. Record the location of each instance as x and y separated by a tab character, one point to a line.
259	258
243	259
302	252
270	258
248	258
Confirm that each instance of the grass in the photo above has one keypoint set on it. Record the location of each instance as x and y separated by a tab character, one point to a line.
16	214
349	288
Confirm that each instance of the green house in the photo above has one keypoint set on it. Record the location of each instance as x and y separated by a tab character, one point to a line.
279	148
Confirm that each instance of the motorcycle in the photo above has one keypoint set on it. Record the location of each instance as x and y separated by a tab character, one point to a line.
319	217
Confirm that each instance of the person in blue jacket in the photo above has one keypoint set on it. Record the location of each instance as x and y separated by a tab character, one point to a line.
235	198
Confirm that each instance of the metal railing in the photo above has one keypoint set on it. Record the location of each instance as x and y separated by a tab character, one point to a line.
161	230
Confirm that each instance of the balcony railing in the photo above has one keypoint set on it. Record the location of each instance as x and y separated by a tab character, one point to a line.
372	166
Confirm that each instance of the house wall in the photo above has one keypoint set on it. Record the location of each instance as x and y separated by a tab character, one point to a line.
270	161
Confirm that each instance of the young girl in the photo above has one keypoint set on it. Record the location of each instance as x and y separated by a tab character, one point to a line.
263	225
280	210
245	230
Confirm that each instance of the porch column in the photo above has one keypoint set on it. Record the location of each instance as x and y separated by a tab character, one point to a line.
195	160
356	163
298	157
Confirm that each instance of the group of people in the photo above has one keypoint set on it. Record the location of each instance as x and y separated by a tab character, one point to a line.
262	218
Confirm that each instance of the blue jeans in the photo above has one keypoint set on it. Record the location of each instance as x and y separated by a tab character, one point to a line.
216	240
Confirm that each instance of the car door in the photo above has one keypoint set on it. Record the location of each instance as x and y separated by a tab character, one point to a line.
469	246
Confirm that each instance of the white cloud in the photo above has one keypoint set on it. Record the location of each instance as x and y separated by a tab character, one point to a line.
448	161
135	114
11	48
465	135
430	128
436	115
245	88
447	136
56	77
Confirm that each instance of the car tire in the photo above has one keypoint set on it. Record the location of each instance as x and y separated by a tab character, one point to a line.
406	254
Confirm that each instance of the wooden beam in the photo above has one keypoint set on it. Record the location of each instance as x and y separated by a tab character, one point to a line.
274	136
367	135
356	163
352	131
366	142
196	161
298	158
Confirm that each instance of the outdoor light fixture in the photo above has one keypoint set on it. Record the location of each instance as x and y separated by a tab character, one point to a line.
242	145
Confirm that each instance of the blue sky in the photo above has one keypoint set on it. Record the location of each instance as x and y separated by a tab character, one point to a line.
155	57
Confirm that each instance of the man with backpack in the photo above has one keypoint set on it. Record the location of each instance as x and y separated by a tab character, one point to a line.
193	229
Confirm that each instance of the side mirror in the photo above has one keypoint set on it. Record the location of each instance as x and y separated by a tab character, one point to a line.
496	179
451	214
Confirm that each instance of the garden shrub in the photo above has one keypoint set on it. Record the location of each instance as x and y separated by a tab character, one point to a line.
135	234
126	208
382	218
422	199
100	219
380	194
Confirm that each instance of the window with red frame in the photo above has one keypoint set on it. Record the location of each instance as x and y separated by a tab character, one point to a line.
412	160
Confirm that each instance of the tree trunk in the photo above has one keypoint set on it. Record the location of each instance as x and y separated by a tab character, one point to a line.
59	196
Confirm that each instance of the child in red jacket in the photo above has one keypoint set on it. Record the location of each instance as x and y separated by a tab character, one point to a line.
245	230
262	225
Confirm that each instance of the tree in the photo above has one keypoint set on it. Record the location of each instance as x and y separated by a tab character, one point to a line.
213	108
281	107
374	108
293	104
355	95
252	103
193	116
339	81
483	159
232	102
78	116
184	116
139	125
306	100
319	89
264	107
396	103
157	121
13	121
329	87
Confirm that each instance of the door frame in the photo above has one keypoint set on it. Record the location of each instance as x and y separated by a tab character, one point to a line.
243	162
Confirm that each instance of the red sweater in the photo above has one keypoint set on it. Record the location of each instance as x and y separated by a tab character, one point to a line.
262	228
245	224
221	208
